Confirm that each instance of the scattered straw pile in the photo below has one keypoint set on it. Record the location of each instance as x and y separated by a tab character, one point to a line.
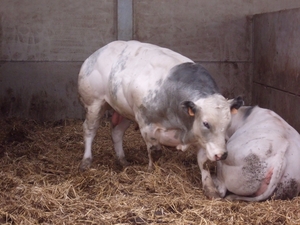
40	183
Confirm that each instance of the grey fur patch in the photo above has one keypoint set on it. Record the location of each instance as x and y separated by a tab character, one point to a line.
186	81
195	77
286	190
270	150
118	66
254	171
159	82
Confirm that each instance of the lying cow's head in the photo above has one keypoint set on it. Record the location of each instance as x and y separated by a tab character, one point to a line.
212	117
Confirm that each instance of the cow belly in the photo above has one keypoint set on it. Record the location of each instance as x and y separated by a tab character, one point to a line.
289	185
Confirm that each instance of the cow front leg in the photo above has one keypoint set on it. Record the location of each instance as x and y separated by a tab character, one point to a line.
151	148
219	181
118	130
94	111
207	183
151	141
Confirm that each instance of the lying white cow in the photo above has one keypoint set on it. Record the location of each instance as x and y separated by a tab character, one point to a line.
174	101
263	157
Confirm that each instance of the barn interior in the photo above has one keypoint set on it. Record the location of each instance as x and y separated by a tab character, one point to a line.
250	47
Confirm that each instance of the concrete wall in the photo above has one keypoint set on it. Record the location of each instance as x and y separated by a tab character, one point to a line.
42	46
43	43
276	78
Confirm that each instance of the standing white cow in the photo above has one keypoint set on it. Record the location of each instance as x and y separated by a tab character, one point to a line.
263	157
174	101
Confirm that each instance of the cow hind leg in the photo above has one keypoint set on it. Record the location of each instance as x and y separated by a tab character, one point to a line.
153	146
288	188
94	112
272	179
119	126
154	152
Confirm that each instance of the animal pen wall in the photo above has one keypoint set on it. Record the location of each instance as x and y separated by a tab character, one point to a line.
251	48
44	43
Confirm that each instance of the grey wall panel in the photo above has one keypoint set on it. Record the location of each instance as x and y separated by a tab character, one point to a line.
56	30
201	30
277	50
45	91
283	103
267	6
276	77
233	79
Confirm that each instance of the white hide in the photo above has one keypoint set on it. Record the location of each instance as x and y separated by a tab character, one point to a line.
263	157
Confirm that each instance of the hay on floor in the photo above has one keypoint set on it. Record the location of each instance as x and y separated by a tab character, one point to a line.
40	182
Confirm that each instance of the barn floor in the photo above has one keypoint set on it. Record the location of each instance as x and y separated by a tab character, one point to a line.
40	183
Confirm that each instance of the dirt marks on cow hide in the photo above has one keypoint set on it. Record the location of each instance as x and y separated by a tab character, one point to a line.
40	182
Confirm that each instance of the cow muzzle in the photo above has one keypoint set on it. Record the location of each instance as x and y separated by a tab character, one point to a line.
221	157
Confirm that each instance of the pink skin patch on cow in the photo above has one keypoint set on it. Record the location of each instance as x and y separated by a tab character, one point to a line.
265	183
116	119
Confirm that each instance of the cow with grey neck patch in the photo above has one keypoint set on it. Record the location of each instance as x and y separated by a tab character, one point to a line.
263	160
174	101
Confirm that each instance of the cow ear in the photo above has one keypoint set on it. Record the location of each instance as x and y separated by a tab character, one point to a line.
189	107
235	104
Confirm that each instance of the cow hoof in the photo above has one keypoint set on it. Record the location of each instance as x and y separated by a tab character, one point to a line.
150	169
85	164
212	194
156	154
124	162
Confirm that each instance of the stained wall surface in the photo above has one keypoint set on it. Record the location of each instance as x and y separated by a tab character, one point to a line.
42	46
276	77
43	43
56	30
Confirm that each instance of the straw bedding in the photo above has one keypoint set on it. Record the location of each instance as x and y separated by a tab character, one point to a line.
40	182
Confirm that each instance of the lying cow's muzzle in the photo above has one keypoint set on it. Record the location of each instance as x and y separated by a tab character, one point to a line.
221	157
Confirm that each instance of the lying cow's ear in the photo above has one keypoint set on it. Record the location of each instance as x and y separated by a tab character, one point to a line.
189	107
235	104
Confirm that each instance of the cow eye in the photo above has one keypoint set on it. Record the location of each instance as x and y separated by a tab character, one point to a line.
206	125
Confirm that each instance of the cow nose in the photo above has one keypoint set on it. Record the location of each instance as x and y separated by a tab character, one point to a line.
224	156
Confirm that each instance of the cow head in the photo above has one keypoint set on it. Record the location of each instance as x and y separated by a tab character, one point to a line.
212	117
